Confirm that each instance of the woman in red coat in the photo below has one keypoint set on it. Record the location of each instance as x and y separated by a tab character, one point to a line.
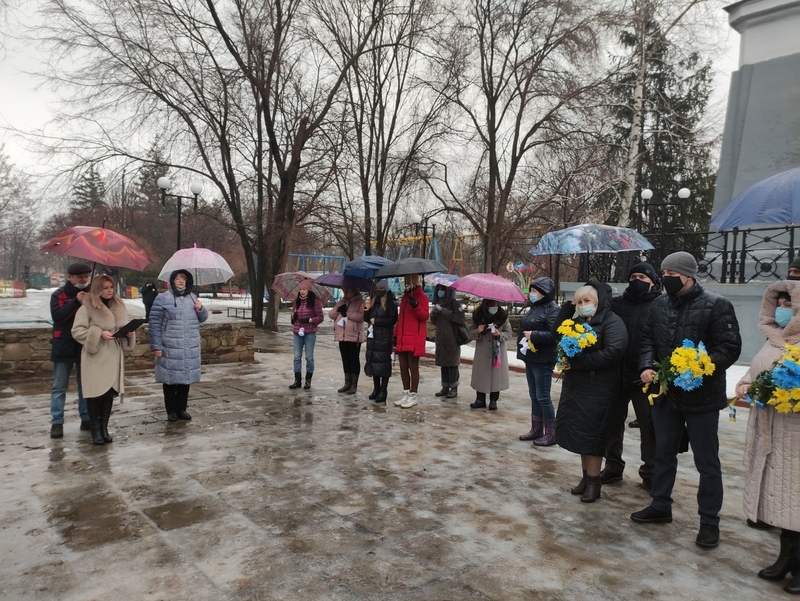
410	332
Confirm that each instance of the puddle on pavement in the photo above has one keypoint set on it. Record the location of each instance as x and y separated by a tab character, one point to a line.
99	531
181	513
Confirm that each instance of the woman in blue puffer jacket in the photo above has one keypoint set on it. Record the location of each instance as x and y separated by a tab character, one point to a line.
175	341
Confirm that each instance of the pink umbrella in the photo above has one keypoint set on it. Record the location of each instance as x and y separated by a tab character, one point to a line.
488	285
288	284
206	266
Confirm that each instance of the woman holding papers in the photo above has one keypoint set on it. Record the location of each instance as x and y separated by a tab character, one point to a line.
102	358
490	330
348	331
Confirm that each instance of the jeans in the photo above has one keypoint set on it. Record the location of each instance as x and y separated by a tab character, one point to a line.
58	397
703	436
540	380
307	342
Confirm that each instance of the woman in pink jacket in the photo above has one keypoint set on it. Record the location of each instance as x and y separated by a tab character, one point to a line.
410	333
306	317
348	331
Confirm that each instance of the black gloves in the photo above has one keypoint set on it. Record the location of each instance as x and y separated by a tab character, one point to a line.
343	310
305	320
413	302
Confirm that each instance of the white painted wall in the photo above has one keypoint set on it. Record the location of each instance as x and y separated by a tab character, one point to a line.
769	28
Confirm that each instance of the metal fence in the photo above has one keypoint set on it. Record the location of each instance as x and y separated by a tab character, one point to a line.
737	256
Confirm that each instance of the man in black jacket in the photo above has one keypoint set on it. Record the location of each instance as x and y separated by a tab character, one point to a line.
688	312
633	307
66	351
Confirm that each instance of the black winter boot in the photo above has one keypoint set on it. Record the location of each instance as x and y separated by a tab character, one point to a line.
107	403
787	558
348	379
382	393
376	388
353	384
95	417
581	488
308	380
493	398
298	380
443	391
480	401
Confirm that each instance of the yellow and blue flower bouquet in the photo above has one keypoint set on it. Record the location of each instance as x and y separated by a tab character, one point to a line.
575	337
685	368
779	386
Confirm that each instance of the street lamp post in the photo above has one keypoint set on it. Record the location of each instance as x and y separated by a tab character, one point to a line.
647	195
165	184
418	219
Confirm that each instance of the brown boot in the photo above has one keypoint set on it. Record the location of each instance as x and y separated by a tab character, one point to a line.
348	380
353	384
581	488
592	492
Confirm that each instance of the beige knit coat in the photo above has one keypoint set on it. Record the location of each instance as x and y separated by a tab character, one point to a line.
772	443
102	361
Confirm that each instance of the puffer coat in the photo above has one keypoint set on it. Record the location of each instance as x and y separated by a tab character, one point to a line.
307	314
591	384
353	329
539	321
64	304
772	443
102	361
175	331
698	316
411	329
486	377
633	309
446	318
378	357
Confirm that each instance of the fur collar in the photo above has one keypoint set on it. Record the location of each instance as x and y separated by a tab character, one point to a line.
776	335
108	318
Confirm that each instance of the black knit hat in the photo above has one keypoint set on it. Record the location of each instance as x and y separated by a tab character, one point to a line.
646	269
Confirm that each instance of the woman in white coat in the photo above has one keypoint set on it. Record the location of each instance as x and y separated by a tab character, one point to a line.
771	487
102	357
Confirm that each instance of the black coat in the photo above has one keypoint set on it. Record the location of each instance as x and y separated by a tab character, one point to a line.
64	305
149	294
378	358
699	316
539	320
591	384
448	351
633	309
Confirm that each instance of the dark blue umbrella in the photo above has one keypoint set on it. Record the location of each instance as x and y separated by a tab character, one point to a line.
343	280
366	266
775	200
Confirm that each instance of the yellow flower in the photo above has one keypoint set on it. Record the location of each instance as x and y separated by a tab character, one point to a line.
583	343
794	393
591	337
579	327
783	408
781	395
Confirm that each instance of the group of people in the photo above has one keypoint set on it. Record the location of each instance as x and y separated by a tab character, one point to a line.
88	318
398	330
633	332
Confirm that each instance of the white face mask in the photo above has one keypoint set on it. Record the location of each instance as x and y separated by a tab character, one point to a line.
587	310
81	286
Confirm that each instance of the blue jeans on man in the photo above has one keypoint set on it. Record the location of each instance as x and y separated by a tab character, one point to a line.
703	436
58	397
298	344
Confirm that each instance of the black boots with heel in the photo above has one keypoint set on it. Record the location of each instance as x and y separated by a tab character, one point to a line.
298	382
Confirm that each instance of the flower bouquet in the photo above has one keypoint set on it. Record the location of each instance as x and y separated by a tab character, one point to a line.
575	337
779	386
684	368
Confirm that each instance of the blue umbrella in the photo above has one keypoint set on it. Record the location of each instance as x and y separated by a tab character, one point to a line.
775	200
590	238
366	266
343	280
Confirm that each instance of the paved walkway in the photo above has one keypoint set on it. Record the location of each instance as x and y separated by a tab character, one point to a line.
310	495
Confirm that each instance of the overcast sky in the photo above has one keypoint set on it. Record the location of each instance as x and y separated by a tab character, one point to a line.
25	108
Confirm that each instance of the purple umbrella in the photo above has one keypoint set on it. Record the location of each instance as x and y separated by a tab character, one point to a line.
341	280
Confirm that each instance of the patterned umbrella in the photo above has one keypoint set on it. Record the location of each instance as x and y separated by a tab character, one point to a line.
99	245
488	285
206	266
590	238
287	285
445	279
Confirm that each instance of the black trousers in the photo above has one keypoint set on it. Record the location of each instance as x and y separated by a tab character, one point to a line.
616	432
176	397
450	377
350	352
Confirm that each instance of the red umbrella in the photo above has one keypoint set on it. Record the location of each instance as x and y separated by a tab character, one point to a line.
99	245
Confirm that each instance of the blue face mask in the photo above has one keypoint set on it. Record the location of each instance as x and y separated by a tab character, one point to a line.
783	315
533	297
492	310
440	293
587	310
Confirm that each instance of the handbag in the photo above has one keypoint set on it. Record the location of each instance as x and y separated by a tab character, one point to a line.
462	336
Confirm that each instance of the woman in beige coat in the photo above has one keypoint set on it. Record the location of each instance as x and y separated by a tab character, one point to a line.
771	457
102	358
490	330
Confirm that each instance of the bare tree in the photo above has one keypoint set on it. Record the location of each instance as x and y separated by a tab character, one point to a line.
520	72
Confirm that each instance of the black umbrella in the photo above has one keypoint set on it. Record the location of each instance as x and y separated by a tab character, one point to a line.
409	266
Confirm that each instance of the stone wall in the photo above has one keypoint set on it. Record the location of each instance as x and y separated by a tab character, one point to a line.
25	352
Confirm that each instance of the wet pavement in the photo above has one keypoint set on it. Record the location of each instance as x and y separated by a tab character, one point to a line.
270	493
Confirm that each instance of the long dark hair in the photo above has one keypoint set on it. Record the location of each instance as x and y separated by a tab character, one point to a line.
481	315
311	300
